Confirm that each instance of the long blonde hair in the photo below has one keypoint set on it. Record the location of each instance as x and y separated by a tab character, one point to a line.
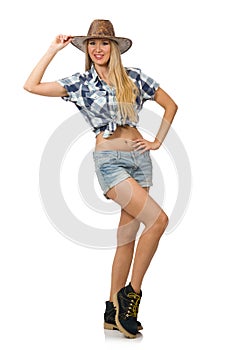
126	90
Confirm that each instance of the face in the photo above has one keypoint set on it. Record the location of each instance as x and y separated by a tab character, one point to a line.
99	51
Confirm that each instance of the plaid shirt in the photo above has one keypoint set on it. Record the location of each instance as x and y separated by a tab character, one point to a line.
97	100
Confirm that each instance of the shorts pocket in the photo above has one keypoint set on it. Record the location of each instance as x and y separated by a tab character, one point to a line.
104	157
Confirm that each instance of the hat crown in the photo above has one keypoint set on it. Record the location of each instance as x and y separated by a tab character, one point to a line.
101	27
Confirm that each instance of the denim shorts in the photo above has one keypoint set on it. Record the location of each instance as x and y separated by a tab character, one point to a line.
113	167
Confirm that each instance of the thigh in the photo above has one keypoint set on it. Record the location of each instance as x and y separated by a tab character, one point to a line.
135	201
125	217
128	227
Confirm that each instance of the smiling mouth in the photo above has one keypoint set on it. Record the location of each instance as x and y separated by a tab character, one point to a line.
98	57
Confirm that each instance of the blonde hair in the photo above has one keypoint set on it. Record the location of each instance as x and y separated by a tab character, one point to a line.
126	90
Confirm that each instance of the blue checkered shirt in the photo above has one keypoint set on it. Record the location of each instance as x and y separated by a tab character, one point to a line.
97	101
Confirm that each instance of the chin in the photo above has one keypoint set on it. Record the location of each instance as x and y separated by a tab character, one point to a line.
101	63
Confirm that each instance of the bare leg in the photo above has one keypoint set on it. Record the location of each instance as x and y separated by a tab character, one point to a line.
146	248
138	204
127	230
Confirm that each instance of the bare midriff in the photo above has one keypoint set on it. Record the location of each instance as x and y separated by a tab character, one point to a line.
122	139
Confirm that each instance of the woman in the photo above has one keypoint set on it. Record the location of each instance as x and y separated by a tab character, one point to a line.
110	97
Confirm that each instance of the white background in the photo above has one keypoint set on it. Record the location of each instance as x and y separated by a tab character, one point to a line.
53	291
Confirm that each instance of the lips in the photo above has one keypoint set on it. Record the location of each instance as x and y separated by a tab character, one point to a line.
98	57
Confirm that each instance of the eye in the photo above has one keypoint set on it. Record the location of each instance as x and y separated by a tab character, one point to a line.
105	43
91	43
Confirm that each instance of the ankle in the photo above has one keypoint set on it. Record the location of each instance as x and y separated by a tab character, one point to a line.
135	287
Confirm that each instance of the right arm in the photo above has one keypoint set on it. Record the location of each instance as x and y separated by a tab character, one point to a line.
34	85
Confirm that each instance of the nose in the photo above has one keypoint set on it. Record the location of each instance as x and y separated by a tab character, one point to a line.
98	47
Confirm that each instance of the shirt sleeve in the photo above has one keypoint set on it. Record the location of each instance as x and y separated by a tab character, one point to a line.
148	86
72	86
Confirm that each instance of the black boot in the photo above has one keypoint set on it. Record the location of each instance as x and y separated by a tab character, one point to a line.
109	318
127	302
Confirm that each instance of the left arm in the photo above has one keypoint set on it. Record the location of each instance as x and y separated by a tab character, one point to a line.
170	109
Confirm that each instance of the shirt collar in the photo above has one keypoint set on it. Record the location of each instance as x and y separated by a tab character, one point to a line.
97	80
94	74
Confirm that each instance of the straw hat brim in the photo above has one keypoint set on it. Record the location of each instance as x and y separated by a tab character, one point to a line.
123	43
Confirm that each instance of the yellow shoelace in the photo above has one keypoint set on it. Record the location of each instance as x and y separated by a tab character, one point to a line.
133	308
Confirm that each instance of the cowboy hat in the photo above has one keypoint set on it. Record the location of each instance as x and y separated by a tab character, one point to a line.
101	29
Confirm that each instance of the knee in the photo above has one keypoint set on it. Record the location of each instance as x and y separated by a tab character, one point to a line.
157	221
162	221
157	225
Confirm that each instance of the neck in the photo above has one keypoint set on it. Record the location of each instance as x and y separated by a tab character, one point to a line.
103	72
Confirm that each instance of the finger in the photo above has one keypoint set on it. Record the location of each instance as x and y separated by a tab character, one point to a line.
137	143
68	37
139	140
144	149
141	152
140	147
64	38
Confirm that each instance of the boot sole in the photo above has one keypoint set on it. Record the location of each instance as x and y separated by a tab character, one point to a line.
113	327
120	327
110	326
